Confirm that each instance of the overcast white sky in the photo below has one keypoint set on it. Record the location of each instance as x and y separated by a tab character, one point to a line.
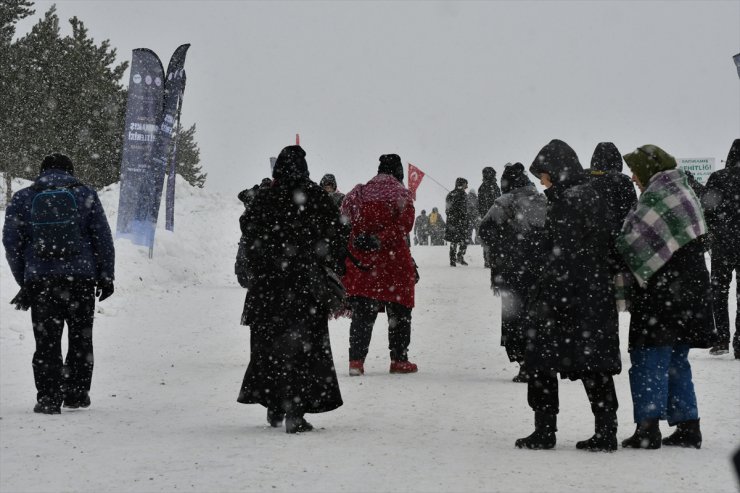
449	86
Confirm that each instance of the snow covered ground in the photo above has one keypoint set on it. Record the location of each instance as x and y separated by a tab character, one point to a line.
170	355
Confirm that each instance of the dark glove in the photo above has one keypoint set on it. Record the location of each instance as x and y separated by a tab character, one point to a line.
103	289
367	243
22	300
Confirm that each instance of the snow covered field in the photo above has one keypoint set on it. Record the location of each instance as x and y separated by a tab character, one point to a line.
170	355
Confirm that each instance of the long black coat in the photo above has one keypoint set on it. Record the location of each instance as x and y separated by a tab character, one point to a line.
572	311
513	228
675	307
721	203
458	219
291	230
488	191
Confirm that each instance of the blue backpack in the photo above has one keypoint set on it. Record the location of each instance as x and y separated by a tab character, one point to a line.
55	223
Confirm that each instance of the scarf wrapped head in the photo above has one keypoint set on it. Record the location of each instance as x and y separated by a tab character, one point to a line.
648	160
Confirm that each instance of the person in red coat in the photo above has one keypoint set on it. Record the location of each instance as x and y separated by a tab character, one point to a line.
380	271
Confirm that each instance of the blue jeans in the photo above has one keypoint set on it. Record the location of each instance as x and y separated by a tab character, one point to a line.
660	381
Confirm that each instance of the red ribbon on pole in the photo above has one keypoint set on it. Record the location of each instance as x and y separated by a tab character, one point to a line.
297	139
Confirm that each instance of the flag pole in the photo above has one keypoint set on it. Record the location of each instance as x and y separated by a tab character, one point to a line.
435	181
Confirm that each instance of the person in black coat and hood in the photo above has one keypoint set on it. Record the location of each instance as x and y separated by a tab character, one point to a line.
488	192
721	203
458	222
513	227
292	230
573	317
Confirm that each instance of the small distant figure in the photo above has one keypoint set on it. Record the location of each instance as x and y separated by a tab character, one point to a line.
474	219
60	249
721	204
436	228
458	222
329	183
488	192
421	229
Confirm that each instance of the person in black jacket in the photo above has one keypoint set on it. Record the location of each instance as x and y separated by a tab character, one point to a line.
61	265
513	227
292	231
488	192
573	316
458	222
721	203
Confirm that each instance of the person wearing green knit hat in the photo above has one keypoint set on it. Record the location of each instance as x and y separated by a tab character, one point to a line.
661	241
646	161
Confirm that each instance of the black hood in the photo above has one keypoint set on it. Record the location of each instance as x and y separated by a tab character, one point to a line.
514	177
291	164
560	161
733	158
489	174
606	158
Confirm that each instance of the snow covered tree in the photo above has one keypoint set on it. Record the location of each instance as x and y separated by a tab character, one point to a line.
65	96
188	158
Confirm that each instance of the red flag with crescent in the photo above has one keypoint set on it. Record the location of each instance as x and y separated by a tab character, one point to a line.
415	177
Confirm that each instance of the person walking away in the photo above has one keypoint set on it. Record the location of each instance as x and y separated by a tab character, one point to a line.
293	234
488	192
721	203
421	229
458	221
671	306
436	228
572	313
513	227
380	271
329	184
60	250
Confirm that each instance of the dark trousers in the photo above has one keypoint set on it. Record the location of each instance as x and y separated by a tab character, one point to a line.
364	313
723	263
54	303
455	253
542	392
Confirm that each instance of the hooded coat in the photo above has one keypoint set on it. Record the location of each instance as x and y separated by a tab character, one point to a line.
292	230
721	203
458	217
514	227
381	208
572	309
488	192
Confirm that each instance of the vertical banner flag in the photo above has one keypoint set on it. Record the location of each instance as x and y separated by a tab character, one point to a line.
415	177
174	88
143	114
737	63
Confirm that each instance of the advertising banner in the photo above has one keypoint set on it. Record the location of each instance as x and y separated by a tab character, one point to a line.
143	115
701	167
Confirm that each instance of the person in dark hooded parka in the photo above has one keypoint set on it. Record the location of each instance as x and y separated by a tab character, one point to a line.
292	230
572	311
721	203
671	306
458	222
488	192
513	227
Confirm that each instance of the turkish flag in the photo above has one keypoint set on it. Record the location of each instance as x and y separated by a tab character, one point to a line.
415	177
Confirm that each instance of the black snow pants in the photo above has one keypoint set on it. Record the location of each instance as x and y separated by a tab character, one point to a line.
542	392
724	262
364	313
53	303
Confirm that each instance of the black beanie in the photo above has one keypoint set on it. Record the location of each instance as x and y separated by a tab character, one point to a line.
390	164
58	161
461	183
513	177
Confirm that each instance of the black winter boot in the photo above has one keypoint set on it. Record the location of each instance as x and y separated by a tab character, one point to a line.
545	426
296	424
687	434
275	418
647	436
522	376
605	436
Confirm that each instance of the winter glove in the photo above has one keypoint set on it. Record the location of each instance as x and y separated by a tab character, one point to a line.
366	243
103	289
22	300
